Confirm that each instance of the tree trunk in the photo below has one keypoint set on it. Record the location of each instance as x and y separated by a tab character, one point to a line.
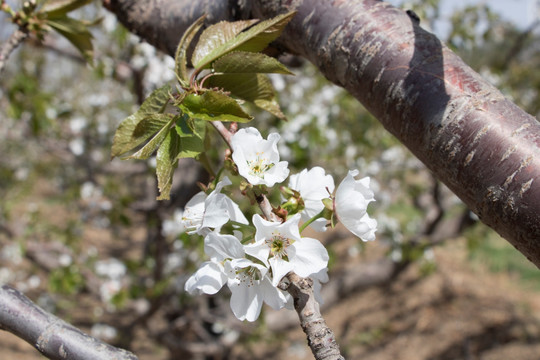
480	144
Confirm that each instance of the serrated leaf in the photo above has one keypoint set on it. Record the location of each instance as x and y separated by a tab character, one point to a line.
192	134
254	39
180	58
271	106
76	32
57	8
161	122
213	106
217	35
126	137
248	62
166	163
255	88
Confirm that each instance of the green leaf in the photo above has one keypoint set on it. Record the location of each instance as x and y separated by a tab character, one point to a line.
180	58
255	88
126	137
58	8
192	134
248	62
76	32
254	39
185	140
218	35
160	122
166	163
213	106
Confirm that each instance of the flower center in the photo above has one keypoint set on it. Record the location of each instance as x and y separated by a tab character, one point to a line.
248	275
259	165
192	218
278	245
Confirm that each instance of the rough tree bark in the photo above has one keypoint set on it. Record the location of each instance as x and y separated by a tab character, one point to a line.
480	144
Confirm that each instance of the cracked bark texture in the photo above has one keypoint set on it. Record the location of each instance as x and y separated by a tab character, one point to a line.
480	144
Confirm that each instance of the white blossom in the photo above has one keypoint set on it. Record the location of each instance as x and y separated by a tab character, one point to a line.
280	246
204	212
248	281
350	204
257	159
313	186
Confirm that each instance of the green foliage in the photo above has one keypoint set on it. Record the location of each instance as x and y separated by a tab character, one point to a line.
26	98
136	128
66	280
213	106
53	15
229	51
181	51
221	39
245	62
76	32
60	8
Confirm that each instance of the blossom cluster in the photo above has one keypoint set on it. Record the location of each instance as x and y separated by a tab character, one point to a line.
252	268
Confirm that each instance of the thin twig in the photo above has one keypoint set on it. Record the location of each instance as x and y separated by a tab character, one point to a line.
225	134
14	40
320	337
266	208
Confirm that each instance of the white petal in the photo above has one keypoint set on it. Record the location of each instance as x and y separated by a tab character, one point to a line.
216	212
308	256
235	213
258	250
351	201
272	295
264	227
268	229
248	147
220	247
280	268
277	174
208	279
246	301
312	184
193	213
224	182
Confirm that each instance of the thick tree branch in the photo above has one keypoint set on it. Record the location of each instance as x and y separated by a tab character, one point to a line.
51	336
480	144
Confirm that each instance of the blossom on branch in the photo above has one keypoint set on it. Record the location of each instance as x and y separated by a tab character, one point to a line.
280	246
257	159
313	186
350	205
248	281
204	212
